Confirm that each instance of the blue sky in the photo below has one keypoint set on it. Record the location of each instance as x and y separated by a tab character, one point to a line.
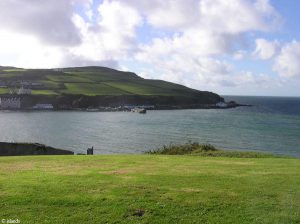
289	9
235	47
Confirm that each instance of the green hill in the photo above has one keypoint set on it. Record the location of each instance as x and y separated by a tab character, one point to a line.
97	82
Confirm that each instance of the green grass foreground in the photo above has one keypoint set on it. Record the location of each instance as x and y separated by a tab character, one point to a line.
149	189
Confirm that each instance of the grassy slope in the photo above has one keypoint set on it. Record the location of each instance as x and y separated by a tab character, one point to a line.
93	81
169	189
3	90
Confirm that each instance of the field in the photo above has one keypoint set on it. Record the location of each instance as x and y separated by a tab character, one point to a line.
3	90
90	81
149	189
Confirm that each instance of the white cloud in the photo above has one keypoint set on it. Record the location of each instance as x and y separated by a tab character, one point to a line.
205	28
233	16
240	54
118	18
49	21
287	64
230	16
265	49
196	72
192	43
173	14
215	29
25	50
114	35
202	39
104	42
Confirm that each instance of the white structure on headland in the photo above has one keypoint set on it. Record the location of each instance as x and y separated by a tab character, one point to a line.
130	107
221	104
10	103
23	91
43	107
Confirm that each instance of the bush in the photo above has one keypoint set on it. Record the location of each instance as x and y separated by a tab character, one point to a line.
187	148
207	147
207	150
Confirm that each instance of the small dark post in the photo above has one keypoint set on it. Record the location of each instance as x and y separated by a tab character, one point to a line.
90	151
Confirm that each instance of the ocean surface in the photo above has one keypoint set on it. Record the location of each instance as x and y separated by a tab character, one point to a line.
271	125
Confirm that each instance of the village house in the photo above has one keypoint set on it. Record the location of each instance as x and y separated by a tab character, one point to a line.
43	107
10	103
23	91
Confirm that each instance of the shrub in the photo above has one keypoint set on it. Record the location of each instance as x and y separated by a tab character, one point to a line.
194	148
187	148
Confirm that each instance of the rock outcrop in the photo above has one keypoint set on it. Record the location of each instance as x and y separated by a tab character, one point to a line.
22	149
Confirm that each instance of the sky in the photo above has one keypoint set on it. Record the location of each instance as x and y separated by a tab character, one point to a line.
232	47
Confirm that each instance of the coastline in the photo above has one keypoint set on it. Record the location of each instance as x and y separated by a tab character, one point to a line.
126	109
192	149
26	149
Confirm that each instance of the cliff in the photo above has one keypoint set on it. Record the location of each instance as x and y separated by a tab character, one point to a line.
22	149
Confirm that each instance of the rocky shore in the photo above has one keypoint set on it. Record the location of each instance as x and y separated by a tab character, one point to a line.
23	149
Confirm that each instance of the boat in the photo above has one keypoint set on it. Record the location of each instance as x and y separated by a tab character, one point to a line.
139	110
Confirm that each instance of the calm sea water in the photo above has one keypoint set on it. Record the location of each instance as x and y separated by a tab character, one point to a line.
271	125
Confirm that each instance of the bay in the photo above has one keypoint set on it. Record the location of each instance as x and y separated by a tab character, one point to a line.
271	125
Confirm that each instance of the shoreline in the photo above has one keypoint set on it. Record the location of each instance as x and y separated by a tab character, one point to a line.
27	149
8	149
122	109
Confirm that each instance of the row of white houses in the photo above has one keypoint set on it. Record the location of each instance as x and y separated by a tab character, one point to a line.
10	103
24	91
14	103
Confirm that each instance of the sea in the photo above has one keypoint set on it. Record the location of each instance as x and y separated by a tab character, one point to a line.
271	125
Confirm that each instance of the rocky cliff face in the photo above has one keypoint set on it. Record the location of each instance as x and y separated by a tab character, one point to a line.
81	101
22	149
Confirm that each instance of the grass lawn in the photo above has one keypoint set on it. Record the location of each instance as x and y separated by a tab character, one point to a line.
3	90
14	70
99	81
91	89
43	92
68	78
149	189
9	75
139	88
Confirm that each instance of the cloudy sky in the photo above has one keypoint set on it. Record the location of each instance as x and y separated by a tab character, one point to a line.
240	47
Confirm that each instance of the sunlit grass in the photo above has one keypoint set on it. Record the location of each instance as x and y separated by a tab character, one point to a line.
3	90
149	189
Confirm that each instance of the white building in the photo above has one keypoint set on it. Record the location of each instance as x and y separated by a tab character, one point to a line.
10	103
130	107
23	91
43	107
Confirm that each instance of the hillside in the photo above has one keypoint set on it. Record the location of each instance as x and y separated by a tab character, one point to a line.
95	83
149	189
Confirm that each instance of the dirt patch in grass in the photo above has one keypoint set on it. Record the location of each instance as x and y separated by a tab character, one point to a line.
138	213
16	167
134	214
192	190
79	168
130	170
125	171
232	162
